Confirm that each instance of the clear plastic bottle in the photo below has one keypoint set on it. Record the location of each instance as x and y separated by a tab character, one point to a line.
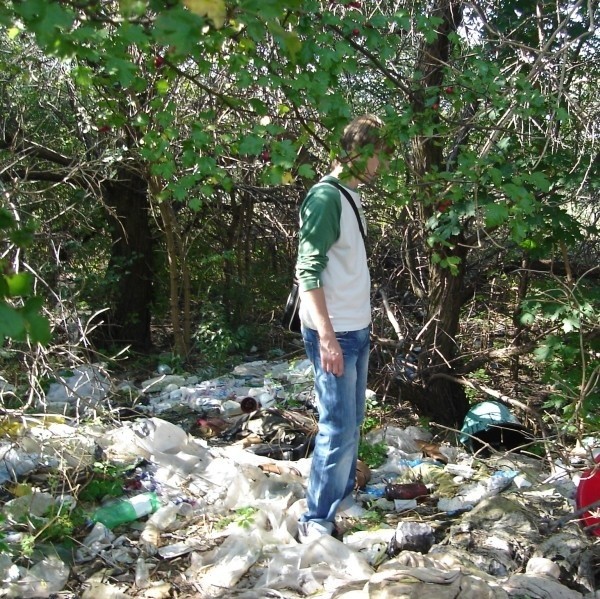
142	574
127	510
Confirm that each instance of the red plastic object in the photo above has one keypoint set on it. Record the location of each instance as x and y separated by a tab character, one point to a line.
588	492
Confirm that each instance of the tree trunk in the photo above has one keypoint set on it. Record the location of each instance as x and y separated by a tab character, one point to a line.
440	399
446	402
130	265
179	282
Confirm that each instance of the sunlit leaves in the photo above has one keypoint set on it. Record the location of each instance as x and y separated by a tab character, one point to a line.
288	40
450	262
178	29
287	178
214	10
318	62
132	8
49	21
571	309
20	284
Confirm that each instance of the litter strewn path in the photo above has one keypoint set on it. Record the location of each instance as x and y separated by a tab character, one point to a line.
217	470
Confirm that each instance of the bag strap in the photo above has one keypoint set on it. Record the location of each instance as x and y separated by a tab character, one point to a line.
349	198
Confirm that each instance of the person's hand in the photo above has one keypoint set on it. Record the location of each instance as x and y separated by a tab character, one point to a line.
332	359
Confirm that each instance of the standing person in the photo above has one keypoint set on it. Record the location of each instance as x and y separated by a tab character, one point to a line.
335	311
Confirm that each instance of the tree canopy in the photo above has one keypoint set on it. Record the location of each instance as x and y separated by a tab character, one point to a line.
159	150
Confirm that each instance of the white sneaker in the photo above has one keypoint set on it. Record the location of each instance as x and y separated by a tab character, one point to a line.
311	531
352	511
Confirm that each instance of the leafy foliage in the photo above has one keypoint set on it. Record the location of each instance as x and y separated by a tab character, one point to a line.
372	454
220	114
20	308
216	341
108	480
571	362
243	517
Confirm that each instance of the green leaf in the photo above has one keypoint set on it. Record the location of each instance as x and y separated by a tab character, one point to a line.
22	237
20	284
562	114
179	29
164	169
195	204
283	153
288	40
133	34
122	69
546	350
496	214
132	8
6	219
12	323
3	285
251	145
39	329
514	192
571	323
496	176
33	305
306	171
83	75
49	21
519	229
540	181
527	318
503	143
259	106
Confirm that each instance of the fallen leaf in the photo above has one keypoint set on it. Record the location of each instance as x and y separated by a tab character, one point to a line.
432	450
279	469
287	178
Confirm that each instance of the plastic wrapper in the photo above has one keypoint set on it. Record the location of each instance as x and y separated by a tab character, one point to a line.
338	556
412	536
44	579
224	566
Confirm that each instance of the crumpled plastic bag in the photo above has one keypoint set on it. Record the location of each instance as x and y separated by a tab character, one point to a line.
414	576
87	385
539	587
224	566
48	577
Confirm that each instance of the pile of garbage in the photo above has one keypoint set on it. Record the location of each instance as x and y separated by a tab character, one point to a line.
216	478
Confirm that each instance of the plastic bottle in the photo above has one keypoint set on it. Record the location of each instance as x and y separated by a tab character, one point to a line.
142	574
126	510
405	491
248	404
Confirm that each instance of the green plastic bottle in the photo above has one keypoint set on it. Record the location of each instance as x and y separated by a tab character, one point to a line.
126	510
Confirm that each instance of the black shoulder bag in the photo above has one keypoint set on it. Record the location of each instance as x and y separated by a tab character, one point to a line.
291	312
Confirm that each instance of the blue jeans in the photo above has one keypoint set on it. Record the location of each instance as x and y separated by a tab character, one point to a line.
341	406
